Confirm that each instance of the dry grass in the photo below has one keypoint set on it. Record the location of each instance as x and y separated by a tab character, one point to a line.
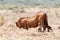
9	31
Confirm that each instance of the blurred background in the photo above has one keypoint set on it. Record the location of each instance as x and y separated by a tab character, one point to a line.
31	2
12	10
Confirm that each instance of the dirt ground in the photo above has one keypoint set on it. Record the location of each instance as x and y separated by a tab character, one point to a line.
9	31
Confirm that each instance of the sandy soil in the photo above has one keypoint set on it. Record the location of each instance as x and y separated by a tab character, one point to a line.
9	31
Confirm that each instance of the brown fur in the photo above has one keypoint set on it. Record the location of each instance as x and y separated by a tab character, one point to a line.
43	21
32	22
21	23
58	27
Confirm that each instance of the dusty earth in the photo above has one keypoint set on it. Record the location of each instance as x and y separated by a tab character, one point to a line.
9	31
